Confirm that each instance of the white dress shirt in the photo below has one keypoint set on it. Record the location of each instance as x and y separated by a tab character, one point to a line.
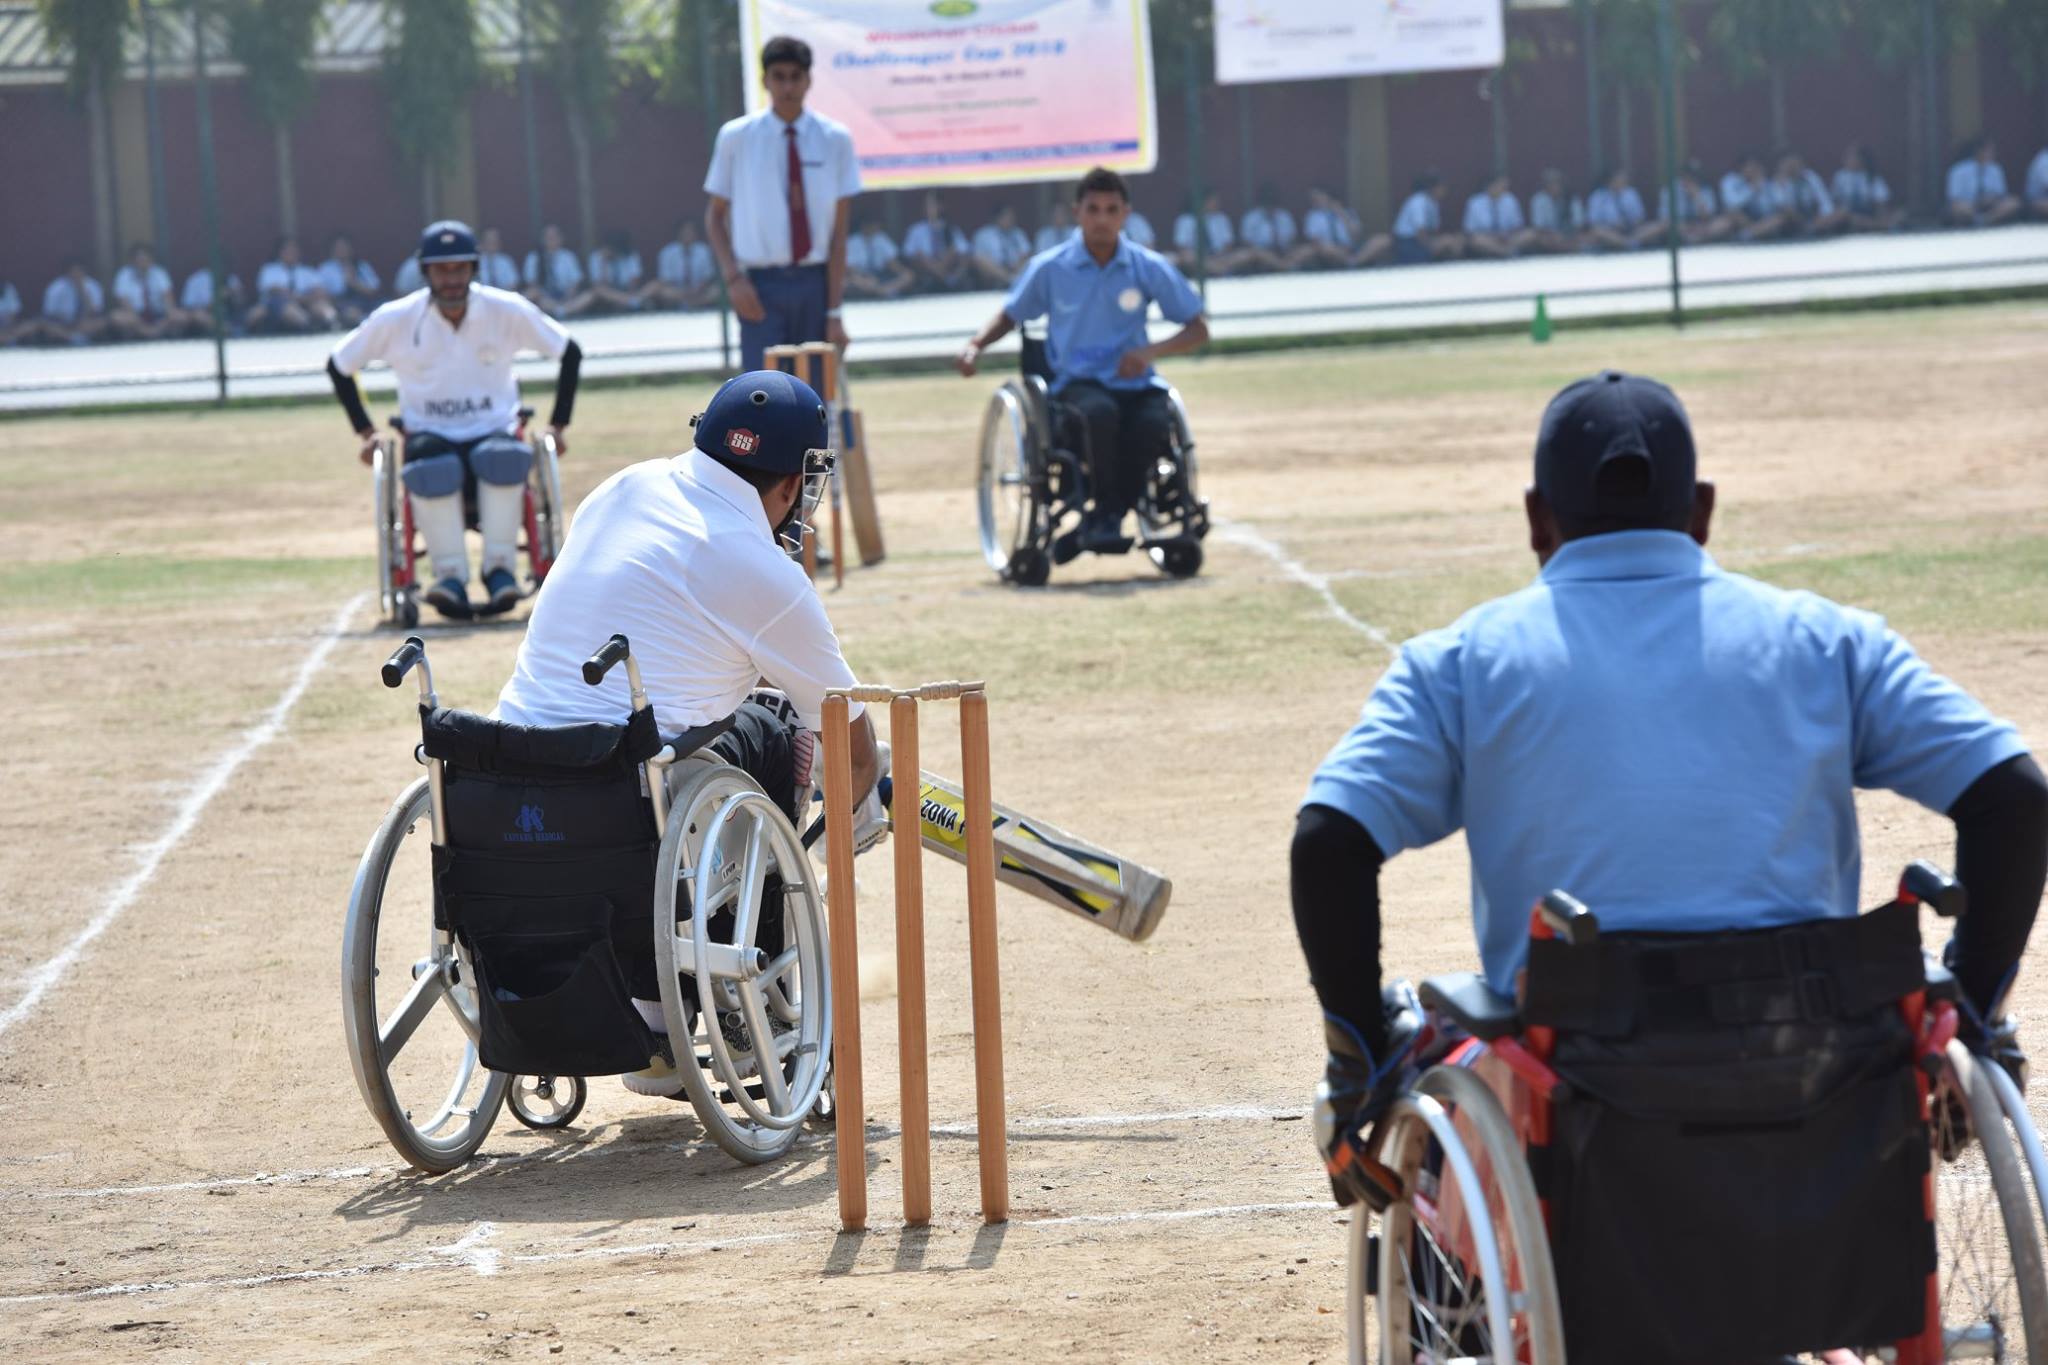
677	556
1007	248
750	169
690	268
454	381
148	295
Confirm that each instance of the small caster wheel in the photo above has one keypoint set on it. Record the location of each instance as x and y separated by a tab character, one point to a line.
408	613
1029	568
544	1103
1182	559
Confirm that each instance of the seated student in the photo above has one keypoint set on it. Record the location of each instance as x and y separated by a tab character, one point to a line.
146	300
351	282
74	308
1745	194
494	265
289	297
1977	195
1000	249
1056	230
1494	225
1139	229
1418	228
2037	186
874	267
617	283
1699	222
1615	217
1557	215
1863	195
1269	235
554	279
1333	237
935	250
406	278
1224	256
1797	192
196	298
13	331
685	271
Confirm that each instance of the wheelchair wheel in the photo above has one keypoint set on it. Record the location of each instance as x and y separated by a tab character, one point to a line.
1994	1297
1014	516
2026	1137
395	599
726	845
1463	1269
411	1015
548	520
544	1103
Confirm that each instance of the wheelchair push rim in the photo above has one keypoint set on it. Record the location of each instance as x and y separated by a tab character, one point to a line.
395	600
382	1024
726	835
1992	1291
1007	495
547	521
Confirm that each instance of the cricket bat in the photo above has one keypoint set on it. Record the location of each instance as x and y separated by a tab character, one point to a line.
1123	897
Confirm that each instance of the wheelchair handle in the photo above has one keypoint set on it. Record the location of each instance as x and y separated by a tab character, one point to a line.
613	651
413	651
1922	883
1569	918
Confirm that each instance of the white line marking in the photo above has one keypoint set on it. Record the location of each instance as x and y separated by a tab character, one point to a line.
442	1260
472	1252
1245	535
1048	1123
210	783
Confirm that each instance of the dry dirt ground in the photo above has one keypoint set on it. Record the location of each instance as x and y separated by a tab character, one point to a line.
186	1168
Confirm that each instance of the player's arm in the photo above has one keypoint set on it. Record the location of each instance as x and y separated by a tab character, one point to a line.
835	274
798	654
356	350
565	395
1030	297
2001	823
1178	302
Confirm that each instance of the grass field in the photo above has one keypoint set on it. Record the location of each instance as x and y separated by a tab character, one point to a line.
186	1169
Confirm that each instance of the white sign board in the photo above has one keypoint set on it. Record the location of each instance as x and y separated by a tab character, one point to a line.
1301	40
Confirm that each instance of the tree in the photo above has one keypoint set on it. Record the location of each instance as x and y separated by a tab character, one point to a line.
1766	39
2023	32
578	34
1627	60
92	30
695	62
1911	36
273	40
430	73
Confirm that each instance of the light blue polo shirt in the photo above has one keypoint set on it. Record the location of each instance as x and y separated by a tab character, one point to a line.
1097	312
1675	745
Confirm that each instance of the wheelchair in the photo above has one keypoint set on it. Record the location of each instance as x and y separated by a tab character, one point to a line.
1032	481
567	873
1483	1256
398	549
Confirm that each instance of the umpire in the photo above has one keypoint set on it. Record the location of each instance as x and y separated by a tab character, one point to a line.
781	184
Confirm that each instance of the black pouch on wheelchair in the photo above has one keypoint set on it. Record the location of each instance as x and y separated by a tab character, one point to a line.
1738	1171
548	879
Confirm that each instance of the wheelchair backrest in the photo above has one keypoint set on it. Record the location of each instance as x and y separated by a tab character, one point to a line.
1032	359
519	791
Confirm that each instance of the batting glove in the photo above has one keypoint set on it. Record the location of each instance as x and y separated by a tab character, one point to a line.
1357	1090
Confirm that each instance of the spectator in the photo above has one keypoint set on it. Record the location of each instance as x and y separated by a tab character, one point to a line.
1494	225
146	300
1557	215
406	279
553	278
494	265
1797	192
616	276
685	271
1699	222
2037	186
935	250
1745	195
350	282
1418	228
1224	258
874	267
288	295
197	298
1138	228
1055	233
1977	195
13	331
1615	217
74	307
1330	232
1000	249
1863	194
1271	240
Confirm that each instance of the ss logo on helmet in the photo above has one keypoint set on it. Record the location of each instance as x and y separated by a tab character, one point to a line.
740	441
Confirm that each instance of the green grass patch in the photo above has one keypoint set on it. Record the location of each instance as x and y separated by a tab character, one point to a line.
130	580
1998	586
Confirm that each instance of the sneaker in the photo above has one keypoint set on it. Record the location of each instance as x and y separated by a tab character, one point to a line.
1103	533
660	1078
451	598
503	588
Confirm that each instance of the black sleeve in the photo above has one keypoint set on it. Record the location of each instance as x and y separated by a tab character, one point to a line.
565	385
1336	887
2001	860
351	400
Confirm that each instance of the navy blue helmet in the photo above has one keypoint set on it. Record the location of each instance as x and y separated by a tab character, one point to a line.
764	419
447	240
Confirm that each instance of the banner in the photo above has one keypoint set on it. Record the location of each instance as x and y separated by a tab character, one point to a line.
972	92
1301	40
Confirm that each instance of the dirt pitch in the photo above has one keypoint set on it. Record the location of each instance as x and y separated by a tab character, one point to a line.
185	1167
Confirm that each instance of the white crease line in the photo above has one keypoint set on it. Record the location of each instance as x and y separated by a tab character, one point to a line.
1051	1123
465	1254
1242	534
210	784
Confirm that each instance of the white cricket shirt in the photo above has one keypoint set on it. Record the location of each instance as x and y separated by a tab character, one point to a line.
453	381
750	168
677	556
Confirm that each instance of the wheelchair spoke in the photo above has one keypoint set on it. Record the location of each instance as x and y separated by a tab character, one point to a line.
461	1002
752	874
765	1043
418	1003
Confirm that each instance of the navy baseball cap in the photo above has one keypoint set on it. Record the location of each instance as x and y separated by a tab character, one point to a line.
764	419
1610	417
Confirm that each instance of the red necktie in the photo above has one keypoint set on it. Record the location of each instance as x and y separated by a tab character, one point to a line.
799	216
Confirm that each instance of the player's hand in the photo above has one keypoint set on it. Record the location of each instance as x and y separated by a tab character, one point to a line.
561	435
1356	1092
835	332
369	439
965	362
1133	364
745	301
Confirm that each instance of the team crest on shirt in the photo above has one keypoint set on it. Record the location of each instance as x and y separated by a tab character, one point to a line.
1130	300
740	441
